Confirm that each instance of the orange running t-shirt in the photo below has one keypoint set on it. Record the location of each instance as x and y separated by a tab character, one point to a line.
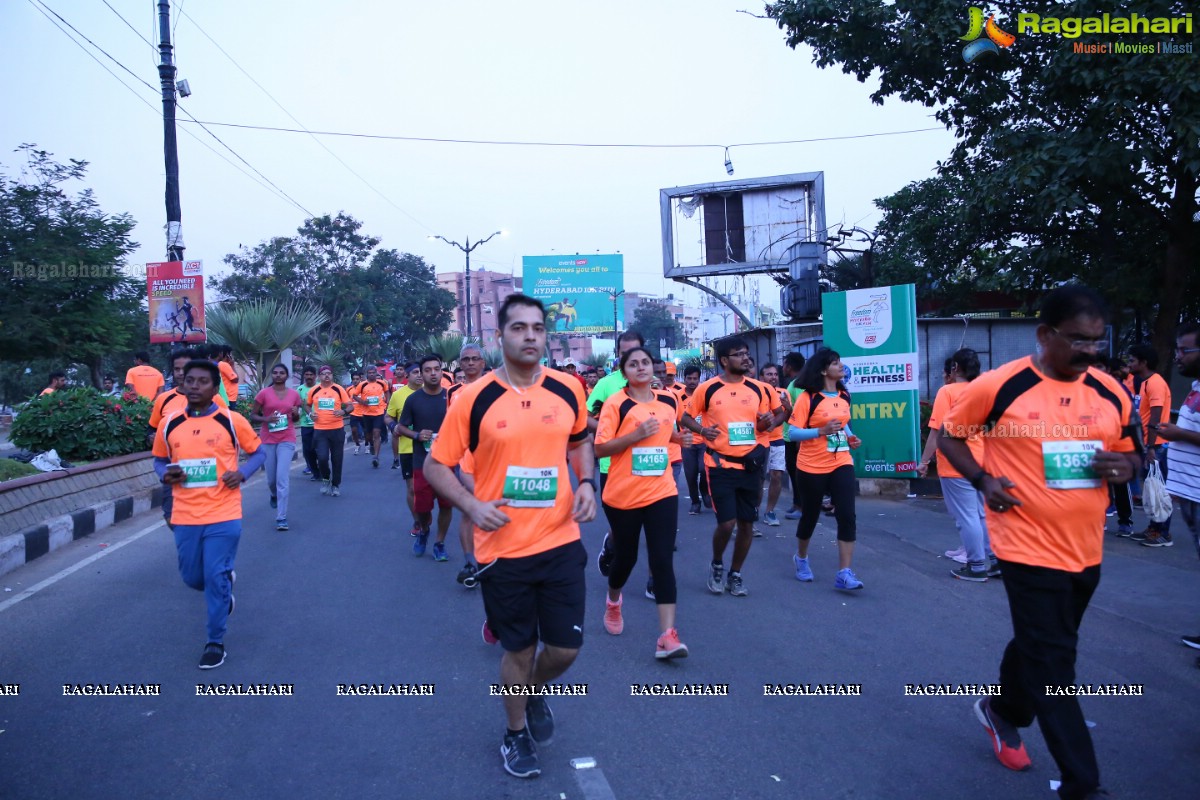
1040	433
206	447
519	440
146	380
170	402
229	379
732	408
641	474
353	389
322	402
674	450
1154	392
946	397
374	393
774	403
823	454
467	465
776	433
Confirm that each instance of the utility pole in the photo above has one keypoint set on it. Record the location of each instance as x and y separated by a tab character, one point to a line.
616	328
467	248
166	74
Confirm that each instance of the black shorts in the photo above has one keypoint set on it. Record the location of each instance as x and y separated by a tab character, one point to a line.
374	423
356	425
735	493
537	598
406	465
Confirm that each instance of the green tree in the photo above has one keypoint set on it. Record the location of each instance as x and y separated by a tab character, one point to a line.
63	295
1066	166
378	301
655	322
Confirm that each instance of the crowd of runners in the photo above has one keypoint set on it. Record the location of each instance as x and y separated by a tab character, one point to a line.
1031	457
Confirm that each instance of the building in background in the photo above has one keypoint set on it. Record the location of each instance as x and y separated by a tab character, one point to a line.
488	291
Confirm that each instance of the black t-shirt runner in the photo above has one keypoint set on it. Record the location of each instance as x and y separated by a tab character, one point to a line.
423	411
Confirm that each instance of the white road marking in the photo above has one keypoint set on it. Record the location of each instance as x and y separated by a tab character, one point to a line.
53	579
593	784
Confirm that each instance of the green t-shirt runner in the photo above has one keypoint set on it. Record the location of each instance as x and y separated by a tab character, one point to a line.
306	421
605	388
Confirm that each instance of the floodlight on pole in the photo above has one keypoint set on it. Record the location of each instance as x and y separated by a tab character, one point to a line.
467	248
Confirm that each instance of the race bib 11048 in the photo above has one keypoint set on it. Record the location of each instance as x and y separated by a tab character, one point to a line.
531	487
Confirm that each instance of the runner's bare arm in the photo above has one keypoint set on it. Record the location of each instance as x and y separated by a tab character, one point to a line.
583	460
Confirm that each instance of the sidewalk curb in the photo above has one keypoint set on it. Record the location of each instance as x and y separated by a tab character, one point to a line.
18	549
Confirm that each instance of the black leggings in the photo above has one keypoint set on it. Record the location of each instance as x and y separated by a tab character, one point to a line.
839	485
693	470
659	519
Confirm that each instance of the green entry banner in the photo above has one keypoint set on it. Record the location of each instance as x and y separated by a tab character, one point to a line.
875	332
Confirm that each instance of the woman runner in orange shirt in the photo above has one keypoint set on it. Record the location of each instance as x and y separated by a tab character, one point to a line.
637	424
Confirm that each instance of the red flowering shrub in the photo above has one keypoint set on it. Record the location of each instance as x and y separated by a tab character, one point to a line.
83	424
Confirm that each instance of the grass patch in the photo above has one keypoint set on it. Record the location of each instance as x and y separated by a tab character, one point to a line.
10	469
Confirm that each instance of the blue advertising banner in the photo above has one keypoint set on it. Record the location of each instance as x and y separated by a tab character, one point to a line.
578	290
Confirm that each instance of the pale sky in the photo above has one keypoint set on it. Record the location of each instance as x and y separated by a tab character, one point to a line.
648	72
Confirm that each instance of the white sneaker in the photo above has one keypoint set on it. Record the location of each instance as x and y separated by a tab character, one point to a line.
355	449
959	555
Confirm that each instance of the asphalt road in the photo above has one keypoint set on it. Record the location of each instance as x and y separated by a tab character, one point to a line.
341	599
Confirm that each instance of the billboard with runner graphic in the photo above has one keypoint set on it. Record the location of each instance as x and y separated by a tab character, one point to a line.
875	332
176	297
578	290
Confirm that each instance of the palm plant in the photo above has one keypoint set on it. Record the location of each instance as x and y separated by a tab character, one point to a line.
447	346
596	360
330	355
259	330
493	357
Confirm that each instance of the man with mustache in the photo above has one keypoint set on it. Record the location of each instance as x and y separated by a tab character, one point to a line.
1055	434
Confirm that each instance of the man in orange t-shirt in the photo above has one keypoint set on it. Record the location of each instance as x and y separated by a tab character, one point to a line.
196	453
143	378
370	398
328	405
229	376
1054	434
523	424
737	412
57	382
1154	406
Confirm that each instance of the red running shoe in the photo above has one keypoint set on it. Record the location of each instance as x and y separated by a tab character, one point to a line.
1006	740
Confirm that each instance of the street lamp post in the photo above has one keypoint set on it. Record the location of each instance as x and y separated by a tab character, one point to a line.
467	248
614	296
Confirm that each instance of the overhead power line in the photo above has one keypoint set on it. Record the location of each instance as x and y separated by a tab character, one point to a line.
155	110
292	116
237	155
630	145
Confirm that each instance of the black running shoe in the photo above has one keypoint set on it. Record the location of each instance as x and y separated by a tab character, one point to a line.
520	755
539	719
213	656
605	558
